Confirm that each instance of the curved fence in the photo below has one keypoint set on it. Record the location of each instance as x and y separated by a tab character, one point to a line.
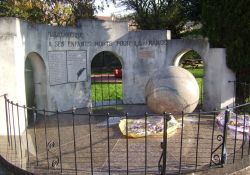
92	141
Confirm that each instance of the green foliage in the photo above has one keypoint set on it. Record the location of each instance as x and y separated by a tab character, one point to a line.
27	9
192	9
58	13
192	34
227	24
161	14
213	14
83	9
65	12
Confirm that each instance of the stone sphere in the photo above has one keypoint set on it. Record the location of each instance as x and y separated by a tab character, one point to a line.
172	90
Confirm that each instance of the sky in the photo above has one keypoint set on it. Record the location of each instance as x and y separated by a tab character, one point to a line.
112	9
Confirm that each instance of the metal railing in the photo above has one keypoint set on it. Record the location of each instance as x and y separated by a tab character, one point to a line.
88	141
106	89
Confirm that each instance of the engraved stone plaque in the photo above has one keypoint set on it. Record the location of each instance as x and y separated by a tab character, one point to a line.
146	53
57	68
77	64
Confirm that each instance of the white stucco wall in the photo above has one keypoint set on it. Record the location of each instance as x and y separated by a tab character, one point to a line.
219	89
141	54
9	70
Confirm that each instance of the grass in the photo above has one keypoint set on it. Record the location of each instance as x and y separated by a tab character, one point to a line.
106	91
197	72
200	83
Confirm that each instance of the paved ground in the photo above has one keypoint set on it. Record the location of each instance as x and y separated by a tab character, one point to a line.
4	171
244	171
76	151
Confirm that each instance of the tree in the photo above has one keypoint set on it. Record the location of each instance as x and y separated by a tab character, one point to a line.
83	9
227	24
192	9
160	14
55	12
58	13
26	9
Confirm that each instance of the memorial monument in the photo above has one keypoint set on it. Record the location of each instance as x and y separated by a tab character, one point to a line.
61	62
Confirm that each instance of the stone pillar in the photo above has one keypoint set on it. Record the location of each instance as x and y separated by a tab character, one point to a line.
218	92
11	72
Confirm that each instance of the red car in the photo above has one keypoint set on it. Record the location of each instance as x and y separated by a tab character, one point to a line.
118	73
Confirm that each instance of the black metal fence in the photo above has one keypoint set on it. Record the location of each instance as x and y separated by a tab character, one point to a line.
89	141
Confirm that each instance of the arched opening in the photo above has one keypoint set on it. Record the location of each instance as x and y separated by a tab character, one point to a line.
35	83
106	79
192	61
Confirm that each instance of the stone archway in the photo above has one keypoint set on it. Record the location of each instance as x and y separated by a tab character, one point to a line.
106	79
179	56
35	81
192	61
